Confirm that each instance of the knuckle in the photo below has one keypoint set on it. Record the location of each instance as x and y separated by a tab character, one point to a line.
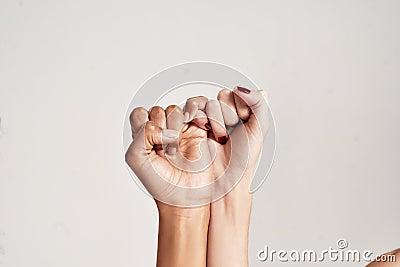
197	101
137	112
157	115
197	98
156	110
212	103
224	94
173	109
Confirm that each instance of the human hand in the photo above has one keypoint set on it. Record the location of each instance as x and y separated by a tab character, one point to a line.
182	238
198	156
230	215
237	123
165	170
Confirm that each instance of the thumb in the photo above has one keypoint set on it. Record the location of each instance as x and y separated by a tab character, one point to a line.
147	137
257	101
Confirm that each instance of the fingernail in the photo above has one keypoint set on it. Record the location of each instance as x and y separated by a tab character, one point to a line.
207	126
222	140
243	90
170	133
186	117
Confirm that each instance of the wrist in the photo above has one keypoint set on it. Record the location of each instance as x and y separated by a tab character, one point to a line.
229	226
182	236
183	214
239	199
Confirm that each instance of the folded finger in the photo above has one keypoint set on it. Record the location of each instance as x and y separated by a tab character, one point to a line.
201	120
257	102
192	105
216	119
174	116
227	101
137	118
157	116
242	108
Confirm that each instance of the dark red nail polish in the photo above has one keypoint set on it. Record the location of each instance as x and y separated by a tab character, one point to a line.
207	126
222	140
243	90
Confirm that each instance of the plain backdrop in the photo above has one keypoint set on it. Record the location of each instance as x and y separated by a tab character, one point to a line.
68	70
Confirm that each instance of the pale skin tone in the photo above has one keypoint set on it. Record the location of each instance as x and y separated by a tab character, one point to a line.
195	230
199	236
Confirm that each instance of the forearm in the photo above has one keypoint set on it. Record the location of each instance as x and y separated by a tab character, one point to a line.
229	228
182	236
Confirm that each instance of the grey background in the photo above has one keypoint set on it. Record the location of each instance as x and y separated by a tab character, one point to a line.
68	71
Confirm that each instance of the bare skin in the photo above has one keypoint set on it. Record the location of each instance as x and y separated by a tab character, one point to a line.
200	236
235	207
203	235
182	239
